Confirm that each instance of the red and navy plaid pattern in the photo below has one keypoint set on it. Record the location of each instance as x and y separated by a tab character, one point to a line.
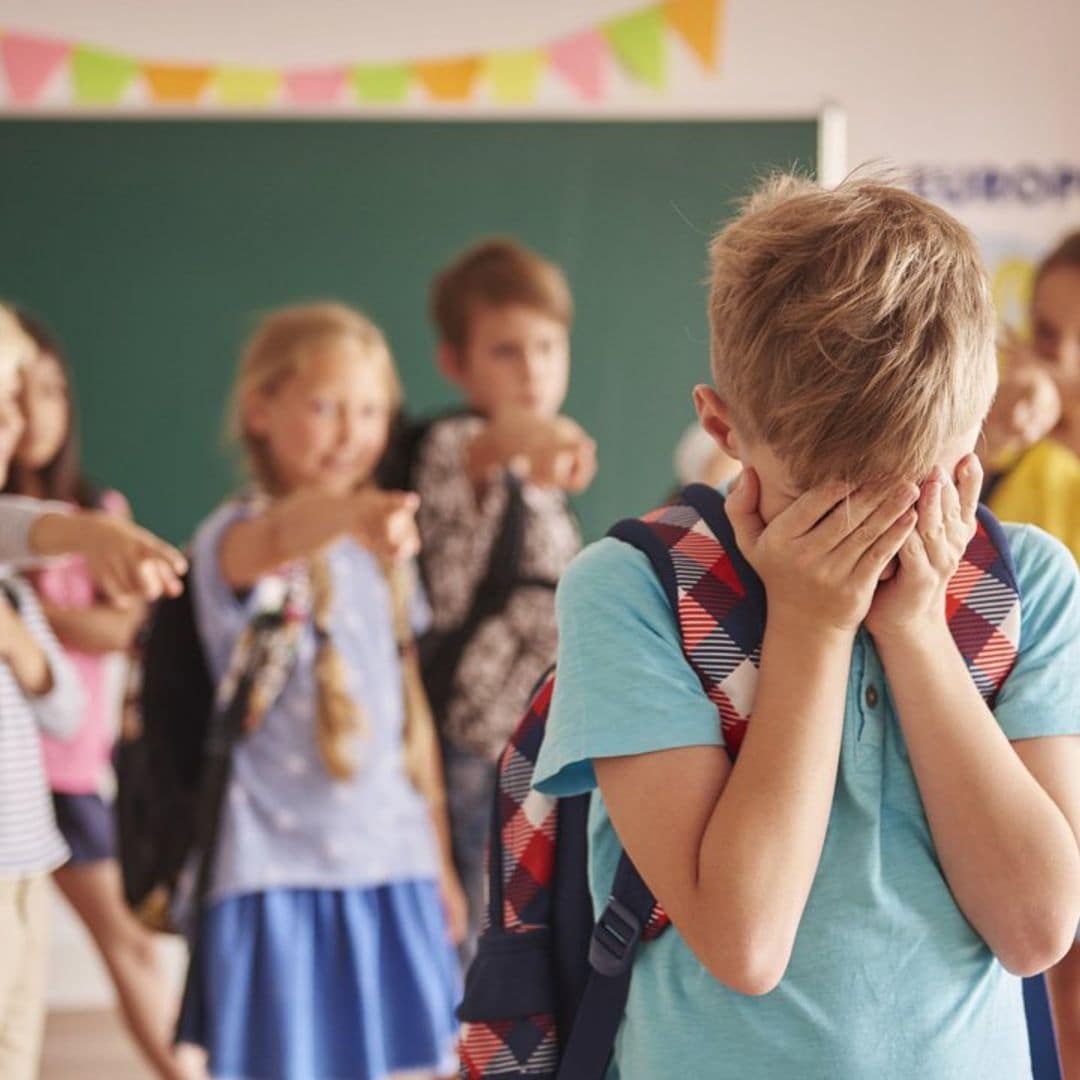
983	609
716	615
510	1048
720	609
527	822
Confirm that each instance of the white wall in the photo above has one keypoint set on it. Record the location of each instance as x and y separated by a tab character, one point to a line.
953	83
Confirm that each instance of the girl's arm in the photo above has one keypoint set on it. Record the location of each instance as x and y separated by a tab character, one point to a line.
22	654
731	852
124	559
301	524
102	628
50	684
453	895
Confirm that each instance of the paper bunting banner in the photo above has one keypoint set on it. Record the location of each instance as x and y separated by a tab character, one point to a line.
580	60
698	22
100	78
448	80
246	86
176	85
37	69
515	76
638	43
29	64
383	84
314	87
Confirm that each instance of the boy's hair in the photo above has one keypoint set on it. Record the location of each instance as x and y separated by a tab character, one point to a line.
496	273
279	346
1065	255
852	329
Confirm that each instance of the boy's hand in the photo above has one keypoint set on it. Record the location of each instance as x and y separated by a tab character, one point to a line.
822	557
1027	406
124	559
552	452
385	523
913	600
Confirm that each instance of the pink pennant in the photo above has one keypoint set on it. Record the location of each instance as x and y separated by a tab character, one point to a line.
29	63
580	60
321	86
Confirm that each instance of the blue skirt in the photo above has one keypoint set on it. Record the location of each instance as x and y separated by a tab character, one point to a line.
324	984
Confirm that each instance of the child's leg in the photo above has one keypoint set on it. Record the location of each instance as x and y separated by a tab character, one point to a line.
24	932
470	787
95	891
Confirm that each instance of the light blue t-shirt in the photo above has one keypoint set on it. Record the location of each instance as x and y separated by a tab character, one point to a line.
887	980
287	823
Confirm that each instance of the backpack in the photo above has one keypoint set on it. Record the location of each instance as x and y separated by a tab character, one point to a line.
545	995
171	762
441	651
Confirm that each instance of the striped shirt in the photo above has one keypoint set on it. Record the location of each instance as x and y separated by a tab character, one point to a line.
29	840
17	514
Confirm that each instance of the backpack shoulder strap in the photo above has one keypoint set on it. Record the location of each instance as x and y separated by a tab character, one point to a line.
615	939
718	599
720	606
983	607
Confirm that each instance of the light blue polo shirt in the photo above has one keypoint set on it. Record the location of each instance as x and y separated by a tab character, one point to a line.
888	980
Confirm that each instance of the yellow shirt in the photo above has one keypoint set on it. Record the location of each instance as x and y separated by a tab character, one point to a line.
1043	488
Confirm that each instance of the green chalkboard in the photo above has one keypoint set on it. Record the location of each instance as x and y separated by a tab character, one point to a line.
152	246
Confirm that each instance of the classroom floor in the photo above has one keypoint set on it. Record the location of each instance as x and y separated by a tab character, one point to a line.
89	1044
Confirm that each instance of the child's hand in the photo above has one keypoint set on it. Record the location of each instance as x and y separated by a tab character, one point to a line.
385	523
822	557
551	452
1027	407
914	597
557	454
124	559
455	904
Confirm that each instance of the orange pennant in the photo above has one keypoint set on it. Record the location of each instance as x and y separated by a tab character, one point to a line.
697	21
449	80
174	84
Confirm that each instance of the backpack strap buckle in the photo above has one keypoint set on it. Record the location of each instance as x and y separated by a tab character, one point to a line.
614	939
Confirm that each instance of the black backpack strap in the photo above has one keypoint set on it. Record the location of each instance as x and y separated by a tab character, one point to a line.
614	944
441	653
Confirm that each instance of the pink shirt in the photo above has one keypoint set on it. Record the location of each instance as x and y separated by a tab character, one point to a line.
76	765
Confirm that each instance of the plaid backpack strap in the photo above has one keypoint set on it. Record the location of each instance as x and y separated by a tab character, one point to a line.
983	607
717	597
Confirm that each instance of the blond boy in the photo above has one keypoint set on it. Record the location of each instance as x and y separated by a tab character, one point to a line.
856	895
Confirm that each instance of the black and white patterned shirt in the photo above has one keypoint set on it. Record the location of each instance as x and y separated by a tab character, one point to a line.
29	840
511	650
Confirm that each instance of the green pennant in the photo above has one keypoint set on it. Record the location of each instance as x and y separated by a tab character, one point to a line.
100	78
381	83
637	41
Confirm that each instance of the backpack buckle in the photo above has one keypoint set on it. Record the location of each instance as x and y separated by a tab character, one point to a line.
614	939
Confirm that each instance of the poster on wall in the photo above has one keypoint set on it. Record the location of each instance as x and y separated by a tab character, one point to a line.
1018	212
